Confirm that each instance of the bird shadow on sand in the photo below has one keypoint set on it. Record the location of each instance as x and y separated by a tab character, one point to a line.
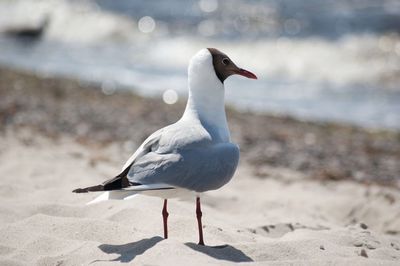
128	252
222	252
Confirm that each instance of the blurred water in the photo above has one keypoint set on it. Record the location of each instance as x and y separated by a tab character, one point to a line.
319	60
255	18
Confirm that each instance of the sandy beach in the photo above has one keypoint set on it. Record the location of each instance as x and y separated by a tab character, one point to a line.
304	194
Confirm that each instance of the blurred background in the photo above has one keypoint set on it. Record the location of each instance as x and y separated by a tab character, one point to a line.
329	60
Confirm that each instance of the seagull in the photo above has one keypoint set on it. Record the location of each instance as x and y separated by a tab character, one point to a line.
29	32
191	156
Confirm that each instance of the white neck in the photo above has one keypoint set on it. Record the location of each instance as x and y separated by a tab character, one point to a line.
206	101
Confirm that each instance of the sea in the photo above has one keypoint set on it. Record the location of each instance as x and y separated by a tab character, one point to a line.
317	60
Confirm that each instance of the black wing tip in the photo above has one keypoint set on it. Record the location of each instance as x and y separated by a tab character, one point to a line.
89	189
80	190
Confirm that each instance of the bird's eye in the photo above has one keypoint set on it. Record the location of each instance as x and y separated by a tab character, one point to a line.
225	61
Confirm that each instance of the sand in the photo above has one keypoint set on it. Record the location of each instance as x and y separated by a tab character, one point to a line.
279	220
56	136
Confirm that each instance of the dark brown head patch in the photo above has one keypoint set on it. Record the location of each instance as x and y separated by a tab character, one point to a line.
223	65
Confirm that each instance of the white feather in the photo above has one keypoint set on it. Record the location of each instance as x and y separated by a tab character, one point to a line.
113	195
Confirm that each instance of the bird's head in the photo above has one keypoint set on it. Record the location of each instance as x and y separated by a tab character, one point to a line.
220	63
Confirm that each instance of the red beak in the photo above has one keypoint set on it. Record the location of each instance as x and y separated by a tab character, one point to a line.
245	73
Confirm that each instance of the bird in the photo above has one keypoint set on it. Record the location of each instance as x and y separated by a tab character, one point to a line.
29	32
191	156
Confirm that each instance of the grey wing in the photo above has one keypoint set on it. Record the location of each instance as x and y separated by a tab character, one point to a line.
121	181
146	147
169	139
198	168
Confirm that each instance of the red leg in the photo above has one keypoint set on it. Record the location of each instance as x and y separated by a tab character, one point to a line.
199	214
165	218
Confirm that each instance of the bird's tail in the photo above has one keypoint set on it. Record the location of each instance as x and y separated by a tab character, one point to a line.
108	194
116	190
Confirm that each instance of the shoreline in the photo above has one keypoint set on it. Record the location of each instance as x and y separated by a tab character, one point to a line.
124	89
